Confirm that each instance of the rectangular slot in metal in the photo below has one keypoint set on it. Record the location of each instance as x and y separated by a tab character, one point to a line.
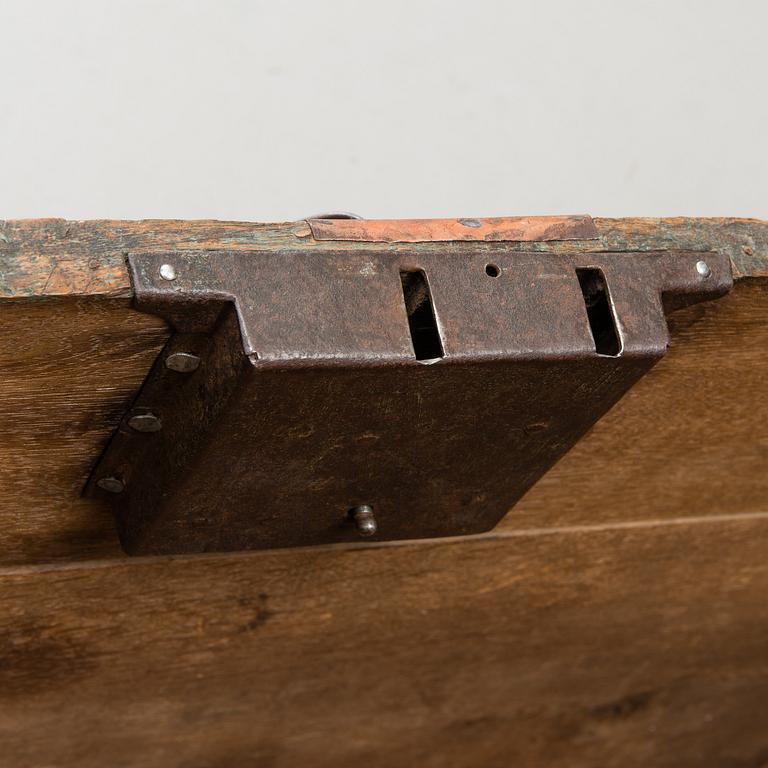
425	336
602	323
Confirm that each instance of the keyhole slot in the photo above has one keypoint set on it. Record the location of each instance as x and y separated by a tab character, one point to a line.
602	322
425	335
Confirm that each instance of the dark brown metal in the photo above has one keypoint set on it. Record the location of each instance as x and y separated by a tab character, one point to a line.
309	401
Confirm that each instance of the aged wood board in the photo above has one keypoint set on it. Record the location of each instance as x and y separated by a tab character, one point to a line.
617	616
592	646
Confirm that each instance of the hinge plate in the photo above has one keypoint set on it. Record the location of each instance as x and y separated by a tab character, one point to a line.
434	387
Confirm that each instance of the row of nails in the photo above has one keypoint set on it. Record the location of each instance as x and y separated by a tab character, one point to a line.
181	362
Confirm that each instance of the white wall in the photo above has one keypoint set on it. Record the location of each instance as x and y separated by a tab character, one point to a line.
278	110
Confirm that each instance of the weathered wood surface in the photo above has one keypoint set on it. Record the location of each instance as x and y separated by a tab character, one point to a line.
53	257
637	646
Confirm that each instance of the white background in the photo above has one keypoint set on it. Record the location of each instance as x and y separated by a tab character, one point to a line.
279	110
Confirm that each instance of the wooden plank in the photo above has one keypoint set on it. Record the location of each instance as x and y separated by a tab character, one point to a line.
53	257
68	370
627	646
690	438
682	440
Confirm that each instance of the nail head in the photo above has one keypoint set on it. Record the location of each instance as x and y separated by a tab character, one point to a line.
703	268
145	422
182	362
111	484
167	272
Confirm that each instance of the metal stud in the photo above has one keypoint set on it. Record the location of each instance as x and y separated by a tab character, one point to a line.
111	484
182	362
703	268
145	422
168	272
365	521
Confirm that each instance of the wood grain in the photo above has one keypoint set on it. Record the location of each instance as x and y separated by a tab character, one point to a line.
690	438
635	646
68	370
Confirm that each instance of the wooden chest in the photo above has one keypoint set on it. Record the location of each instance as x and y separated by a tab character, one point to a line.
616	616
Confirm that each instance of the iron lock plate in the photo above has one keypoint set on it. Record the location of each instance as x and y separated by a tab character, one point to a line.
434	388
